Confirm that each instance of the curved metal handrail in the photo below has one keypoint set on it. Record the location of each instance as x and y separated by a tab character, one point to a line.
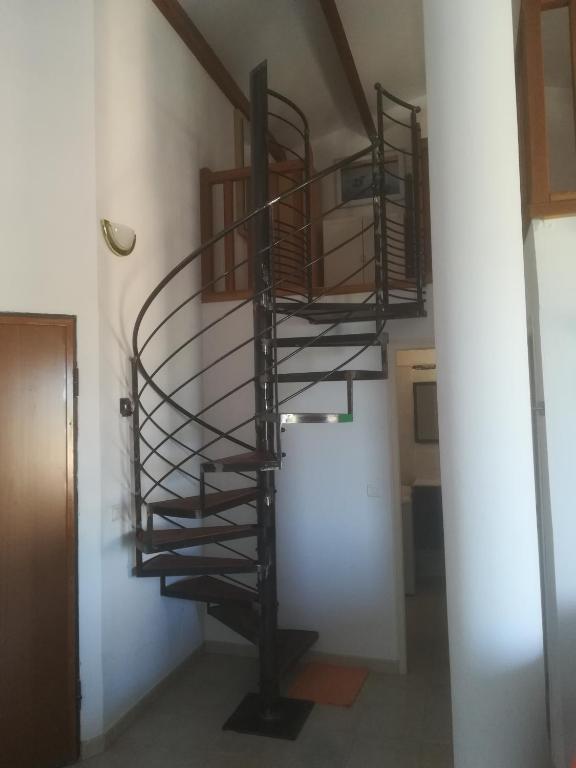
171	454
229	230
396	100
282	245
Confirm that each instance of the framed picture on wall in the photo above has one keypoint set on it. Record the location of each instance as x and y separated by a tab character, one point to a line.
355	182
425	412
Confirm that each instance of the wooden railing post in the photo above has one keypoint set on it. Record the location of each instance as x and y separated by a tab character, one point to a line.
534	103
206	229
229	250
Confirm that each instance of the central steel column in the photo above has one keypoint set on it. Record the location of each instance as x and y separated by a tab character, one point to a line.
263	388
266	714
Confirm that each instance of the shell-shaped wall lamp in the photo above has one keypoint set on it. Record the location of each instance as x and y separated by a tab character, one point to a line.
120	238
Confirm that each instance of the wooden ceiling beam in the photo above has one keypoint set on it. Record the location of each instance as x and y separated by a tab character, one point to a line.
198	45
338	33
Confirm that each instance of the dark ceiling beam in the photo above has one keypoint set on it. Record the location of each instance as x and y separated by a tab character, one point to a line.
347	60
196	42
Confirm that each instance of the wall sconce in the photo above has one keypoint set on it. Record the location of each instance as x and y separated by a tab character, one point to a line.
119	238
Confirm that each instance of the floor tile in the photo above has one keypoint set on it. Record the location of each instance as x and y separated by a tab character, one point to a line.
436	756
384	754
397	721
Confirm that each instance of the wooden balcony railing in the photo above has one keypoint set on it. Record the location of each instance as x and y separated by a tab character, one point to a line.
540	196
224	197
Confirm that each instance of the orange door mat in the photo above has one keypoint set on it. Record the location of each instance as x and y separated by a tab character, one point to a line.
328	684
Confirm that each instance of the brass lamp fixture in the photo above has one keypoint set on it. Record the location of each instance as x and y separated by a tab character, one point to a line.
120	238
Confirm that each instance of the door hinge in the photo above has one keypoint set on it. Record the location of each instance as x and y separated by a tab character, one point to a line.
76	382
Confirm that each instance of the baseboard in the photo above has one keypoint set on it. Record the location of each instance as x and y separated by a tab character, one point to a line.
92	747
97	745
385	666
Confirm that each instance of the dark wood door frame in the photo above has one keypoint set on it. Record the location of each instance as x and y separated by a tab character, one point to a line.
68	322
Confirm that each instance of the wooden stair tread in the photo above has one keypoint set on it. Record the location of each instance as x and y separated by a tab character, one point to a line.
245	621
180	565
206	589
178	538
242	462
334	376
343	340
349	313
213	503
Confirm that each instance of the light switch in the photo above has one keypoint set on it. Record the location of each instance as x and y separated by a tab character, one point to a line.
374	490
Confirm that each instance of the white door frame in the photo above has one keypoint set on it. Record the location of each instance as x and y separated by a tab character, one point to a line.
395	346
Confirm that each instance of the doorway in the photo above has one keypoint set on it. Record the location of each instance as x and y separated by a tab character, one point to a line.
421	514
38	551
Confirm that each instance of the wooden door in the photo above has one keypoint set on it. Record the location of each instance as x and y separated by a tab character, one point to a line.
38	625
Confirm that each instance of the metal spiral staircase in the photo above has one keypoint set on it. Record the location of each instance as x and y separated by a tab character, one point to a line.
199	456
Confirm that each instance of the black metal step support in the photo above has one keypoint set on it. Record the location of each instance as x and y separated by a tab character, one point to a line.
267	714
263	390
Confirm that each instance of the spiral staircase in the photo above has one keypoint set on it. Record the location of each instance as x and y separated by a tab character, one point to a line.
204	457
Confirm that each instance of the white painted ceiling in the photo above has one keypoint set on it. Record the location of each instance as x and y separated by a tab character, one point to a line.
386	38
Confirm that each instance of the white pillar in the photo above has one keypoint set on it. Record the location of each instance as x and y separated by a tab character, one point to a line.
494	607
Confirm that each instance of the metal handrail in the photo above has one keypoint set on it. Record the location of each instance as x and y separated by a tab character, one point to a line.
281	245
229	230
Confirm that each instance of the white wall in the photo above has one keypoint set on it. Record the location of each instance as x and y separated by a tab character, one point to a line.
48	224
159	120
122	139
488	499
552	311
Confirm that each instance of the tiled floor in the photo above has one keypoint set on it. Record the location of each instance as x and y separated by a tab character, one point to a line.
397	721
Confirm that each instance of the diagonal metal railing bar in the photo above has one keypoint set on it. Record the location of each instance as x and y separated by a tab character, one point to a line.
397	204
172	522
237	581
159	484
399	177
251	379
215	239
286	204
236	551
221	434
251	339
238	223
283	175
286	148
325	376
188	448
244	303
395	120
252	419
288	122
397	149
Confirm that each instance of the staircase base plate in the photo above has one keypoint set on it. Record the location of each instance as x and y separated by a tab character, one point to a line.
286	721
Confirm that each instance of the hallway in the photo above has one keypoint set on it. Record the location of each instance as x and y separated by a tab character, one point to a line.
397	721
